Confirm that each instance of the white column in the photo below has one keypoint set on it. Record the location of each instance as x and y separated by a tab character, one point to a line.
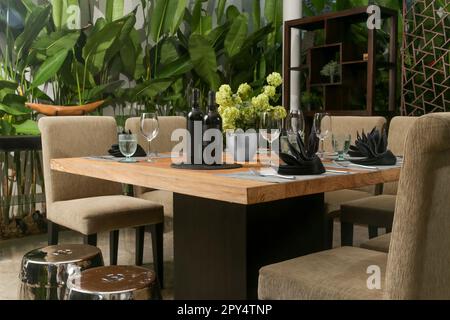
292	9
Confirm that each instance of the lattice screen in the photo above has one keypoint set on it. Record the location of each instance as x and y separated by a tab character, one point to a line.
426	57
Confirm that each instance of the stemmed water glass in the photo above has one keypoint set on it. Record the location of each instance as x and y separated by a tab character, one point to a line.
149	129
270	129
128	146
322	127
295	124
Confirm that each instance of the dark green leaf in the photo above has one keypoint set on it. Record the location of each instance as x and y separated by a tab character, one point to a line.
37	20
178	67
97	92
236	36
232	13
28	127
256	14
49	68
8	85
203	58
220	10
114	10
152	88
55	42
217	35
6	129
97	45
274	14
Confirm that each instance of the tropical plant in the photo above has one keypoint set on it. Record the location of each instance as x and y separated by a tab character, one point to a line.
312	100
232	52
241	110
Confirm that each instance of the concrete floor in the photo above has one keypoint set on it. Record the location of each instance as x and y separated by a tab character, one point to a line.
12	251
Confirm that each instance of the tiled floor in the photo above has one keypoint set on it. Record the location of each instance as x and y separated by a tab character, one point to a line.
12	251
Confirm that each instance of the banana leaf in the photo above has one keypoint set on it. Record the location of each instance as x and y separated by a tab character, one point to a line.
204	59
237	35
35	23
49	68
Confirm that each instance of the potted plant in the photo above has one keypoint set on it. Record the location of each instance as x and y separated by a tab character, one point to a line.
240	113
331	69
311	100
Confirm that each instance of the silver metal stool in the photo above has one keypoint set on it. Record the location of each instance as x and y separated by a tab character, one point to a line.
45	271
114	283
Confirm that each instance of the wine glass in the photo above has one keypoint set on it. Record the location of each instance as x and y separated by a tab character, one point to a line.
149	129
295	124
341	144
270	129
128	146
322	127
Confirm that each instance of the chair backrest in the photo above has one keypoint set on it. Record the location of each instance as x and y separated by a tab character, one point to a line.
398	130
352	125
68	137
162	142
419	257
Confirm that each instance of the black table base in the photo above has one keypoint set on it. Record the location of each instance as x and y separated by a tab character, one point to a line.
219	247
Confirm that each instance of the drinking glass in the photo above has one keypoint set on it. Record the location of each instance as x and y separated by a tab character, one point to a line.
322	126
341	144
270	129
150	130
128	146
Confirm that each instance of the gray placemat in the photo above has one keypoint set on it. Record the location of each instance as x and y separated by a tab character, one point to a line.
115	159
341	165
248	175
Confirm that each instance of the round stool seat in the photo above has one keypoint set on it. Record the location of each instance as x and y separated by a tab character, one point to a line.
44	272
113	283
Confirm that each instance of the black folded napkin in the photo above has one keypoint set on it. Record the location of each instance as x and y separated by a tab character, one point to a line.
373	147
115	151
302	161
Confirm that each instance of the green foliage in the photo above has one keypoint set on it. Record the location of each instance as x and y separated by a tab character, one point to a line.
331	69
179	47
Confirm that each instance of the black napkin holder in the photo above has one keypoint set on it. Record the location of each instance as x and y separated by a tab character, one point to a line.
373	149
302	161
314	167
385	159
115	152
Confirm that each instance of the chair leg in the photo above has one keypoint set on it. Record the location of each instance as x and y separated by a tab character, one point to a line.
91	240
113	247
53	233
373	232
157	231
139	257
346	234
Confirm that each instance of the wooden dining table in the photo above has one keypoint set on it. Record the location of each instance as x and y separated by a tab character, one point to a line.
227	227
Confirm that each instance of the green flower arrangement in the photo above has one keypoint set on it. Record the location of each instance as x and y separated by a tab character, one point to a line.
241	110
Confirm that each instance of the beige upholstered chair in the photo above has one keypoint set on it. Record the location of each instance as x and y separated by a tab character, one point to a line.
380	243
378	211
161	144
417	265
87	205
333	200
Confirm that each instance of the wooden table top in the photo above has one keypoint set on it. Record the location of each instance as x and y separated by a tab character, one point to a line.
210	184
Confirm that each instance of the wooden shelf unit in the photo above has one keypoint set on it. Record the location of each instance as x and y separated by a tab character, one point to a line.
353	92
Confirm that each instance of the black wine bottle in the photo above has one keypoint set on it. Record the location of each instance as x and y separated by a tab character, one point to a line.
213	120
195	128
